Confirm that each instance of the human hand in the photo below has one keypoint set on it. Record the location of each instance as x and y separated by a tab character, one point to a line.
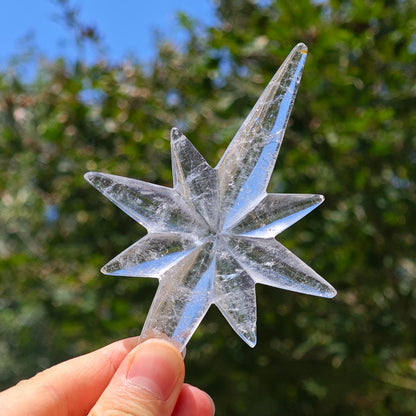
119	380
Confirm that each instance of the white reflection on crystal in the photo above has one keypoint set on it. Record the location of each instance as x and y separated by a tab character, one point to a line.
211	236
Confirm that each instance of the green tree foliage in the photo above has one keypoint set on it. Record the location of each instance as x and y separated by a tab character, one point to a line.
351	137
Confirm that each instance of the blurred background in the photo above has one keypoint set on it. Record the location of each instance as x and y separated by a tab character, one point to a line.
91	86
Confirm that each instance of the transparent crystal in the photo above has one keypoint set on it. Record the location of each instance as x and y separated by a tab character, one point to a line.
211	237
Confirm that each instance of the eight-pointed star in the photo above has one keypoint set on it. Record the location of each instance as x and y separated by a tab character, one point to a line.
211	237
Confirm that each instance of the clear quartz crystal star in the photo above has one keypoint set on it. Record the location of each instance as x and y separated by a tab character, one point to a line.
211	237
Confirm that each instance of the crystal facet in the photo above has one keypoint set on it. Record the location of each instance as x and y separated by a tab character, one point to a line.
211	237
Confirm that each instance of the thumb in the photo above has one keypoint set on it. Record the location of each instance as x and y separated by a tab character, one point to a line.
147	383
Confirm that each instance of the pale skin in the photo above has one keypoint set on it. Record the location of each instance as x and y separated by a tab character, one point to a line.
121	379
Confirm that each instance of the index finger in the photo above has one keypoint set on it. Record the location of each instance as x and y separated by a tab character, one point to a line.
69	388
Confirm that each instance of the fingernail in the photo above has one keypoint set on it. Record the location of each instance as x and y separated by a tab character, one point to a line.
155	367
213	405
211	401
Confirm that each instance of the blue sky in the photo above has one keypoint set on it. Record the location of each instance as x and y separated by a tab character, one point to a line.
127	25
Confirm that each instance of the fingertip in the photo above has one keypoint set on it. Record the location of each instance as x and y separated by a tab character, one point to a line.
156	364
148	381
123	345
159	343
193	401
206	405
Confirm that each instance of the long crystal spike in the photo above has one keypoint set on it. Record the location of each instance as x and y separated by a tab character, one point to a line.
183	297
246	166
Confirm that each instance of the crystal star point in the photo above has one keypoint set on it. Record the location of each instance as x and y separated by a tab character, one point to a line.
211	238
